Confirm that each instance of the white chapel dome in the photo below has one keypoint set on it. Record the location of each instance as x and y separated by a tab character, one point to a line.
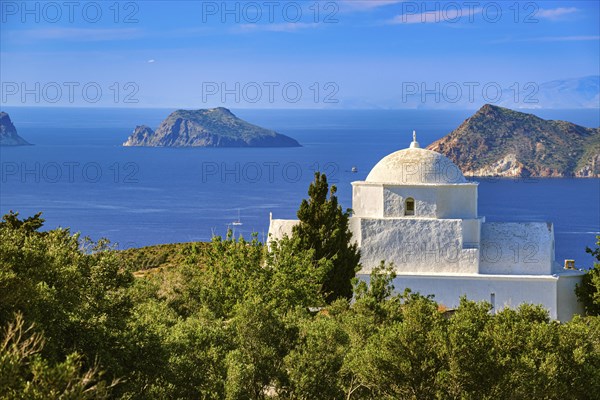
416	166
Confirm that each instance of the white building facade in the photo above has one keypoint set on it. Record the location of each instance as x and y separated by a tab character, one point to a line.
416	210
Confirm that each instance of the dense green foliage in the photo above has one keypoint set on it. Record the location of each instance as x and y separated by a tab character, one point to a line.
234	321
143	260
324	228
25	374
588	291
73	290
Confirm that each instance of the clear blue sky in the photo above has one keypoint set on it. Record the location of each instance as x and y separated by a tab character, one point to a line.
175	52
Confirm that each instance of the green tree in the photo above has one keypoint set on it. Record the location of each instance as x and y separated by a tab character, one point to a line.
72	290
375	308
261	338
324	228
291	278
29	224
588	291
236	321
222	276
197	347
231	270
471	369
314	365
404	359
578	359
523	344
26	374
376	298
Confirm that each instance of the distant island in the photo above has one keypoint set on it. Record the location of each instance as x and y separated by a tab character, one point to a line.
214	127
497	141
8	133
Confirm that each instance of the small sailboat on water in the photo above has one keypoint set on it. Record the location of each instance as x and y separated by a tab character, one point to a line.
237	222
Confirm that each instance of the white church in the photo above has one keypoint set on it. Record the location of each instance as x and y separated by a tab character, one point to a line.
416	210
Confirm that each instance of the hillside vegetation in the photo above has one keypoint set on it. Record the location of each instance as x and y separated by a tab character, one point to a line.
231	320
150	259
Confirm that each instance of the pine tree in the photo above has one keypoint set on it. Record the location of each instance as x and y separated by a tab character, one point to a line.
324	227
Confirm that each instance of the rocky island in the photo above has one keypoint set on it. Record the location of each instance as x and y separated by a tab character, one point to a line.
497	141
8	132
214	127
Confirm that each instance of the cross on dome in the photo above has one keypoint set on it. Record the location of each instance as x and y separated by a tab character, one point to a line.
414	144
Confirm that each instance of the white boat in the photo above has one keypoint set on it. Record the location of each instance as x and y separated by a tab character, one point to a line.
238	222
354	169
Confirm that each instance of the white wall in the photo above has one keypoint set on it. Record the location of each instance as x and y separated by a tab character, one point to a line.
509	291
281	227
354	225
367	200
450	201
567	302
390	239
457	201
395	196
517	248
471	229
415	245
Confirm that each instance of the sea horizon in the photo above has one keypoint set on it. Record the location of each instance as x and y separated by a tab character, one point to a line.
149	196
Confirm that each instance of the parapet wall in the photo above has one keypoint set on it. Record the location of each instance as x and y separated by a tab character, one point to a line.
415	245
512	248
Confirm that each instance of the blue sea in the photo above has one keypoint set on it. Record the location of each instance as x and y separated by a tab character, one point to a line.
80	176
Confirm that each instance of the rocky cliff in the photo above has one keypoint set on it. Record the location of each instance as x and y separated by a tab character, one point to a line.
215	127
497	141
8	132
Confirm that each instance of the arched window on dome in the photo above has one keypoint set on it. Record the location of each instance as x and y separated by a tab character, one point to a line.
409	206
